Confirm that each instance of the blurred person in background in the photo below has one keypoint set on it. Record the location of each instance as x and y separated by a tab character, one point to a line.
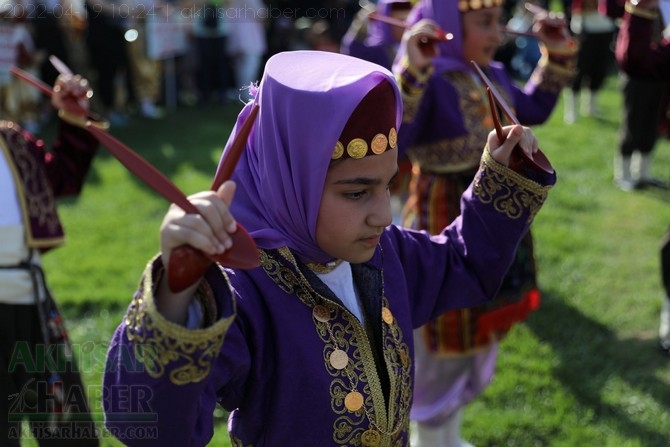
374	40
19	102
594	29
211	29
642	58
39	381
146	73
446	115
247	42
108	55
643	100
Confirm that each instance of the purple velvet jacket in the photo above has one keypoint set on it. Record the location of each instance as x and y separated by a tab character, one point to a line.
43	175
286	358
445	121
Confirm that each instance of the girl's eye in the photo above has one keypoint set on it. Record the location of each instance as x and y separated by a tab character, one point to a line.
354	195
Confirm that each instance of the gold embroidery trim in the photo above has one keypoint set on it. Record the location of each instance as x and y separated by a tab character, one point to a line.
640	12
38	203
509	192
163	346
81	121
346	333
552	77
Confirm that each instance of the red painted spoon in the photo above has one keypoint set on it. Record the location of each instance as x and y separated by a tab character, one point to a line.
187	264
519	157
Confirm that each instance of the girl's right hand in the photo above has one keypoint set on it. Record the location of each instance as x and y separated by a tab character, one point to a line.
208	231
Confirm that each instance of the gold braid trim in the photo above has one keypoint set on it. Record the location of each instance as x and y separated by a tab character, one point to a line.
412	83
640	12
552	77
344	331
410	106
509	192
162	345
81	121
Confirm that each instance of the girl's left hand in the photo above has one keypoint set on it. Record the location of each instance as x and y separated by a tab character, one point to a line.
515	135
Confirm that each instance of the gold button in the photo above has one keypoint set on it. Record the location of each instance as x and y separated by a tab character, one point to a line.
357	148
379	143
371	438
353	401
393	138
387	316
339	359
338	152
321	313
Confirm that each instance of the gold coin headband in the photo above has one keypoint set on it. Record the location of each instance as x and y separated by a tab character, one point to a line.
474	5
371	127
359	148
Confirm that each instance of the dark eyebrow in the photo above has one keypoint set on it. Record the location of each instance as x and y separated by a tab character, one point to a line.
359	181
363	180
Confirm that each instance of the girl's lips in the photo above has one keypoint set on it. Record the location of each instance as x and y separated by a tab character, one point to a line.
371	240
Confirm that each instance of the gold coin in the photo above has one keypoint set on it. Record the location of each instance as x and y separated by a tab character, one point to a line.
463	5
357	148
379	143
338	152
387	316
353	401
475	4
393	138
321	313
371	438
339	359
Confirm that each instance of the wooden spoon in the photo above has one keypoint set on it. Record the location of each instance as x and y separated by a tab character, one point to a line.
519	157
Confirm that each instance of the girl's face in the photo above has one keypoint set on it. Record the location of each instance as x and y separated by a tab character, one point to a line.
355	206
482	34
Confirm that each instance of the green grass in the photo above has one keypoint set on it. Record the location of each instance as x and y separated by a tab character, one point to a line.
584	370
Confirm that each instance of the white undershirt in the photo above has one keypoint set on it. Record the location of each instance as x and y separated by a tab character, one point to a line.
341	282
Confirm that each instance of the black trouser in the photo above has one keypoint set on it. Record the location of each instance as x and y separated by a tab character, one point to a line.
665	263
25	392
641	114
594	59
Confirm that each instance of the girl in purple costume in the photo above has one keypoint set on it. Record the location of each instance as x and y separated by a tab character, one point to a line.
446	116
314	346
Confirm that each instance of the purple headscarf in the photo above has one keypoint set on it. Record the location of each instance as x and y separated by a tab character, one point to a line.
448	18
305	99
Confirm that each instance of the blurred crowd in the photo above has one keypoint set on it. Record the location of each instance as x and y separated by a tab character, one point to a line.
205	51
217	48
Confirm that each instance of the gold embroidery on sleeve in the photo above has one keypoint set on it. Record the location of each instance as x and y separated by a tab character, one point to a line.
511	193
165	346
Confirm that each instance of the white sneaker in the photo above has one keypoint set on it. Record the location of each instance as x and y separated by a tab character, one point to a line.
664	327
569	108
